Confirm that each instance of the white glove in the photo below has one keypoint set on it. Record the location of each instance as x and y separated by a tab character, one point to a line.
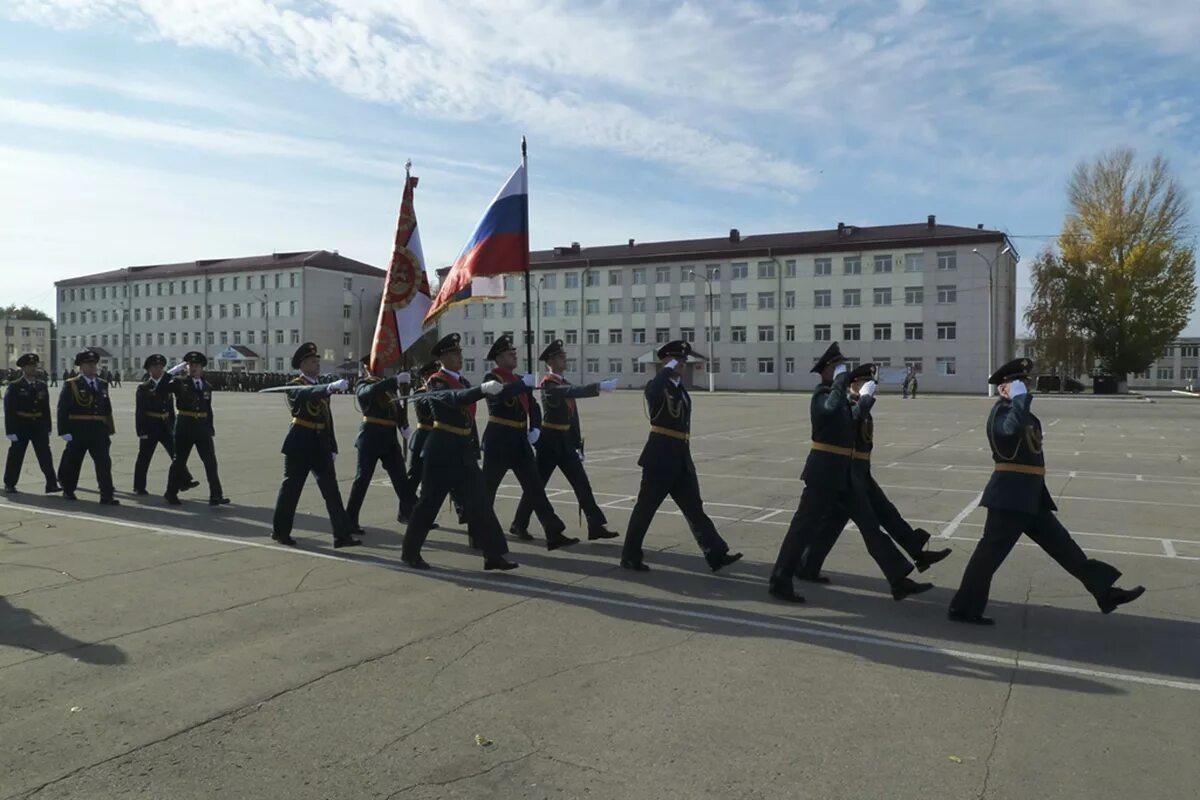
529	380
12	437
406	433
66	437
333	455
609	385
868	388
178	368
534	435
492	388
403	378
1016	389
839	369
340	385
672	364
581	456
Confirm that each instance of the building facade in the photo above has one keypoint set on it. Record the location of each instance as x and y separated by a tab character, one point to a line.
20	336
764	307
243	313
1177	368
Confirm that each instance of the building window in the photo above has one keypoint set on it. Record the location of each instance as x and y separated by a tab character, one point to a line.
947	294
570	308
662	335
789	268
508	283
737	302
547	337
237	309
912	262
737	366
591	278
714	366
345	312
852	333
662	304
223	311
823	266
548	308
789	365
687	334
549	281
1188	373
914	295
883	264
506	309
687	302
614	366
571	280
593	366
614	305
740	270
947	330
571	336
883	331
1189	350
852	265
914	331
592	306
789	333
292	308
713	272
945	365
737	333
883	297
183	312
468	365
293	279
295	336
637	305
593	336
251	335
639	336
639	276
822	333
712	302
1165	373
237	337
614	335
489	337
766	333
766	300
712	334
766	269
766	366
662	274
917	364
614	277
947	259
346	338
852	297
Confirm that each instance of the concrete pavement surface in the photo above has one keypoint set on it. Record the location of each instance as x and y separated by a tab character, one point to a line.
150	651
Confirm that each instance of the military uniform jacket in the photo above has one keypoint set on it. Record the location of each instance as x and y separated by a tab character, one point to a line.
424	421
560	419
864	434
84	412
382	412
510	414
27	408
312	423
193	404
152	409
833	435
454	438
1019	480
670	408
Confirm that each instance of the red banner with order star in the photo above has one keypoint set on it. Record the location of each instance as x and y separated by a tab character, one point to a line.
406	296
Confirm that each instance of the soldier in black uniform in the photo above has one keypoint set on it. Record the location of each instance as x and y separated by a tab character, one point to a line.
424	422
26	422
667	467
828	485
561	444
514	425
193	427
85	422
154	420
383	412
310	446
867	491
1018	502
450	460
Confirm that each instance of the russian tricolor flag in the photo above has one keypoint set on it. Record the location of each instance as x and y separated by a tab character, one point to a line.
499	245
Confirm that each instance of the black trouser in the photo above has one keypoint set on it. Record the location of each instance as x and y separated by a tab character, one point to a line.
465	481
160	435
683	487
416	470
208	456
16	457
498	460
392	460
72	463
815	507
552	456
1001	531
295	472
885	514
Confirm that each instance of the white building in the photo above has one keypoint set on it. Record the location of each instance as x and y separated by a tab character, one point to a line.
1178	367
919	294
259	308
20	336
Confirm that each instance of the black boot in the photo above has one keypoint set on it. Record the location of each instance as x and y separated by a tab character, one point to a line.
522	533
1117	596
718	560
906	587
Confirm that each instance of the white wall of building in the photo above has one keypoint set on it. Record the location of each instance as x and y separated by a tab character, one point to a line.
20	336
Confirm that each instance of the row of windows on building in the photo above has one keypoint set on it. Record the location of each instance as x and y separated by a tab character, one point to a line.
738	334
169	313
740	270
26	332
1185	351
946	365
739	301
234	283
185	339
1168	373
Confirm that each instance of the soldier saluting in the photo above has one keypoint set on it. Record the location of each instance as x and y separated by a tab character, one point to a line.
154	421
194	427
310	446
383	412
667	466
561	443
85	422
1018	502
26	422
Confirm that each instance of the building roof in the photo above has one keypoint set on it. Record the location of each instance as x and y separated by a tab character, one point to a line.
217	266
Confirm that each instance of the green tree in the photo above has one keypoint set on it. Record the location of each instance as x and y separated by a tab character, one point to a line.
1059	346
24	312
1130	262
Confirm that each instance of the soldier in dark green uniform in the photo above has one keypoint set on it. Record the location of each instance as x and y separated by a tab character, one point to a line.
85	422
828	483
450	460
310	446
1018	502
561	443
154	420
194	427
27	421
424	422
668	469
383	412
867	491
514	425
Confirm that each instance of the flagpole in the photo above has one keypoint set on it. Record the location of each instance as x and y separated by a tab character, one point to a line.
528	310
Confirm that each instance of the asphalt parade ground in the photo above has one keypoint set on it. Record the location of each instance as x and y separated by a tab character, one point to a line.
149	651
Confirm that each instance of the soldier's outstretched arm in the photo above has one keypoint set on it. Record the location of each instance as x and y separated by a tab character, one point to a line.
459	397
367	391
573	392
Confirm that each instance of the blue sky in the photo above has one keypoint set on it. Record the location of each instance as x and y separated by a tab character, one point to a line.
145	131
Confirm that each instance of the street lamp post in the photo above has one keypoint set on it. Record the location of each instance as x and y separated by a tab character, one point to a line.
267	341
708	333
991	265
358	344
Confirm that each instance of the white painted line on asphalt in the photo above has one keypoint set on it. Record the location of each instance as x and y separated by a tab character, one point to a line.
625	498
767	515
827	631
947	468
1169	548
949	530
1072	474
1053	423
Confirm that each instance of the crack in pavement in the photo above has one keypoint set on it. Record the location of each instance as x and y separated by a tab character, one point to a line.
123	572
433	678
987	764
461	778
39	566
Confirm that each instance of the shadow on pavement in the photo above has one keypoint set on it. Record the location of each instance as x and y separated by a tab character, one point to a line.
20	627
